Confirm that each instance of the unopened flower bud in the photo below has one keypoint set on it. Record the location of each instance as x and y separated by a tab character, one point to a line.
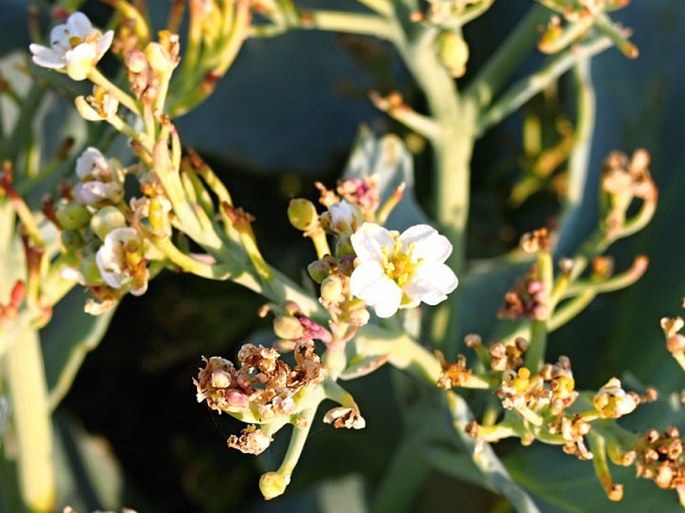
90	271
72	239
158	58
72	215
273	484
453	53
287	327
85	110
318	270
135	61
302	214
332	288
105	220
612	402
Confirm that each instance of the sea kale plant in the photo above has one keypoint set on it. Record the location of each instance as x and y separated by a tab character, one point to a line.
385	285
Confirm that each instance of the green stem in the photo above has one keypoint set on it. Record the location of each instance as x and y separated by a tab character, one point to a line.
31	421
535	354
506	60
98	78
485	458
570	310
585	123
528	87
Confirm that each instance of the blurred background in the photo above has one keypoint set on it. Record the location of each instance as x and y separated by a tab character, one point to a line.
286	114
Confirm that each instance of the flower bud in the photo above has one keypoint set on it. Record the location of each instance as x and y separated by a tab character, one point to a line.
135	61
85	110
332	288
287	327
318	270
302	214
273	484
105	220
158	58
72	215
612	402
72	239
453	53
90	271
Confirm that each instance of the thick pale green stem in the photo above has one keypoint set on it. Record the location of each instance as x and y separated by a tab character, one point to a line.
452	150
32	424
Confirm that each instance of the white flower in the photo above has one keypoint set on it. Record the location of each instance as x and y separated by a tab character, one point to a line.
400	271
98	193
75	47
101	180
121	262
93	164
344	218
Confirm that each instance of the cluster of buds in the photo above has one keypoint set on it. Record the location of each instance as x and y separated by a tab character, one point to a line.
104	235
149	69
264	390
544	403
549	392
659	457
623	181
527	300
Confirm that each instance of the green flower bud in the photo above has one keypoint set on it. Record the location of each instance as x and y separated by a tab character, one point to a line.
332	288
72	239
302	214
72	216
107	219
453	53
273	484
90	271
318	270
287	327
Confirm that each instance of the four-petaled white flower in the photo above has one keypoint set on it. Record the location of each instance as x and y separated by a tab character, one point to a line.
75	47
121	261
101	180
401	270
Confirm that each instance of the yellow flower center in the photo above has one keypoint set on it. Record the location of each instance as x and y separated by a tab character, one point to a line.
74	41
399	265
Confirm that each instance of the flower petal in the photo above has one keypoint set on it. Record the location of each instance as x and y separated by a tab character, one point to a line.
103	44
80	60
59	37
368	242
79	24
46	57
429	245
431	283
370	283
89	161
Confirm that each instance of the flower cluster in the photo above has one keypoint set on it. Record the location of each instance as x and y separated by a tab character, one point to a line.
659	457
385	269
102	233
263	390
623	181
543	404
